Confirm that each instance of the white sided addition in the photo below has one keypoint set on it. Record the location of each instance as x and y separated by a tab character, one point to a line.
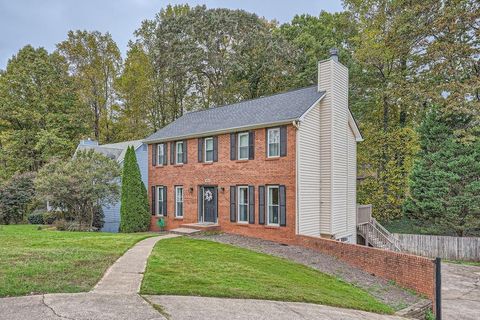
326	170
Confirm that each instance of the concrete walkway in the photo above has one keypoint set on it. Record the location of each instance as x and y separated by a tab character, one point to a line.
460	292
202	308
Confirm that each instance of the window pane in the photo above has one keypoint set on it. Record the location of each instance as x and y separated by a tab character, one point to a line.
161	153
273	196
273	214
273	149
243	152
209	155
243	212
273	142
274	136
209	144
243	140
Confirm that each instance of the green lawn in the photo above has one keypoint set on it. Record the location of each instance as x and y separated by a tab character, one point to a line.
41	261
183	266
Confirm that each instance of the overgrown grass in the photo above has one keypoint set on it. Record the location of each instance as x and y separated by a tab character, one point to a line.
43	261
184	266
463	262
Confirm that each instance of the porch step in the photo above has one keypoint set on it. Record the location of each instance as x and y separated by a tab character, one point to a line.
184	230
205	226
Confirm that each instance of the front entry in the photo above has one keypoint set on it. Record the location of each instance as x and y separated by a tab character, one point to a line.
210	204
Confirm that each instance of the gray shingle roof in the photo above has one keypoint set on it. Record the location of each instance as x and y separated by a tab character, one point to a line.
282	107
114	151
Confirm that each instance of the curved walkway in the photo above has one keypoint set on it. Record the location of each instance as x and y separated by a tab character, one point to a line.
115	297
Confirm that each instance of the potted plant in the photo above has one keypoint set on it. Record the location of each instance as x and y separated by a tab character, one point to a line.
161	224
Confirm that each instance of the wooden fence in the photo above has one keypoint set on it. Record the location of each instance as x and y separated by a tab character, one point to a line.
445	247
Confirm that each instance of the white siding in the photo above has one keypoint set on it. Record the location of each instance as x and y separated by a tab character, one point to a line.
327	186
339	149
309	174
325	158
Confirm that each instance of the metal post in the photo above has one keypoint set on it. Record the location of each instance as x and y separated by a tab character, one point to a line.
438	289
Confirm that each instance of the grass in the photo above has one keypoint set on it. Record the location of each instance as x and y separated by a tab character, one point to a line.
464	262
184	266
43	261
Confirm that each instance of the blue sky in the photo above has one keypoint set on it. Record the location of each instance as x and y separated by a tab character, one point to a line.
45	23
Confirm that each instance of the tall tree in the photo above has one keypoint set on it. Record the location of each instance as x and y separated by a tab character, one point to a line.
134	212
445	180
40	114
95	62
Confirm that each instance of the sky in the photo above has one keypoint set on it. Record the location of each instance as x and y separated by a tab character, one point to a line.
45	23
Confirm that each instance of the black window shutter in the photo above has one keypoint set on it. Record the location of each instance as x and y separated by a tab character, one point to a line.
200	149
154	154
251	204
233	146
266	142
185	152
172	152
215	197
251	145
165	153
261	204
282	198
153	200
215	149
200	203
233	204
165	200
283	141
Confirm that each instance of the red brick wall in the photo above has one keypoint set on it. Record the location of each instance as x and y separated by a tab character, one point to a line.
409	271
225	173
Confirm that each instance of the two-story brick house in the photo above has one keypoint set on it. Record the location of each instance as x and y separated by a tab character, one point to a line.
271	167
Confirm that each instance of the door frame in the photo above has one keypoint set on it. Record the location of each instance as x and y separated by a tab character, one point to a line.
214	186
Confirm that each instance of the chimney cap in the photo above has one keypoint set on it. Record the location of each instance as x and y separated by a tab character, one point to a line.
334	54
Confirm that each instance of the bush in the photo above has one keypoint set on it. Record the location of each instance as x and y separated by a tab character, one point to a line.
36	217
16	198
50	217
134	214
60	225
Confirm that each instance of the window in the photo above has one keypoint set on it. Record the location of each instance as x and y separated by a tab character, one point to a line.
243	204
208	149
273	205
243	146
179	202
160	201
273	142
179	151
161	154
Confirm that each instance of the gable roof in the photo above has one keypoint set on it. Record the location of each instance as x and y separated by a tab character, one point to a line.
114	151
275	109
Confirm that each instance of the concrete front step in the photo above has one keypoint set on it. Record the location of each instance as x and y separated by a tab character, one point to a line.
183	230
205	226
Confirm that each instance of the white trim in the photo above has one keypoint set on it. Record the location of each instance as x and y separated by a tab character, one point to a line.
268	142
205	149
268	205
238	145
157	210
297	193
158	153
176	152
353	126
176	202
311	107
238	203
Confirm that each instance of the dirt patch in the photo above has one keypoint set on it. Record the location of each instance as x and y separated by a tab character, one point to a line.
383	290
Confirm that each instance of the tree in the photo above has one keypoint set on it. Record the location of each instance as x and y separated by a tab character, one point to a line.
40	115
80	185
134	209
445	180
95	62
16	198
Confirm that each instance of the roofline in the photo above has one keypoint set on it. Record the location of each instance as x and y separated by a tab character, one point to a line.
353	124
313	105
221	131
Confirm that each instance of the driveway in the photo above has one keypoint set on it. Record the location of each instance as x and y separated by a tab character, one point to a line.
460	292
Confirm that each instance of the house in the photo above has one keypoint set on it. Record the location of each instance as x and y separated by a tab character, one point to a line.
116	151
273	167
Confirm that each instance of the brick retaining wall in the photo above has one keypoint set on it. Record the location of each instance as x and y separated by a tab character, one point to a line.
409	271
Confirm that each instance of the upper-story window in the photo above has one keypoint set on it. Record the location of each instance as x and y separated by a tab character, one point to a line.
273	144
161	154
209	149
243	146
179	152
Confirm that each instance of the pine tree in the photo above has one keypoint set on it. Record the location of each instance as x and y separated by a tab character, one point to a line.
134	207
445	180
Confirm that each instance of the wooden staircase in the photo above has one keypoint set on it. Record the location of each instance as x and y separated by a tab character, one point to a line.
373	232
